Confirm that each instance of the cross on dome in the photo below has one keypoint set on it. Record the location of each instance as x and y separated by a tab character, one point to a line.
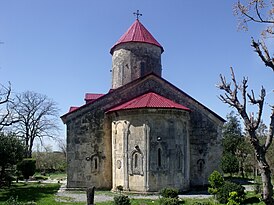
137	14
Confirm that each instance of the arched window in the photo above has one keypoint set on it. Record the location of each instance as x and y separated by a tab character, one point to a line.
201	164
136	160
159	158
137	163
95	163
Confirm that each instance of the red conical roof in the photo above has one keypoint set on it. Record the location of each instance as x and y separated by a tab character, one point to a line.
137	33
149	100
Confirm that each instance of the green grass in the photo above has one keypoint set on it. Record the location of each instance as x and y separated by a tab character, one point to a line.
42	194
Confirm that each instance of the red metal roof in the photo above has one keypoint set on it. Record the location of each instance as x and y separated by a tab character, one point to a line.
137	33
90	97
149	100
71	109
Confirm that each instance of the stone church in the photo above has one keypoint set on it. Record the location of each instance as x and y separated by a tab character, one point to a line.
145	133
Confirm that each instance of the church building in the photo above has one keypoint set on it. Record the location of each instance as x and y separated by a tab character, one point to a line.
145	134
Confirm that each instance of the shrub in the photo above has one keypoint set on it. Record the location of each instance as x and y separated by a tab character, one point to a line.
233	199
121	200
228	187
203	203
168	201
27	167
120	188
215	180
169	193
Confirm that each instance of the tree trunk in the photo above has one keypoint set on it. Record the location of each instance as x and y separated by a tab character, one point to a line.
266	179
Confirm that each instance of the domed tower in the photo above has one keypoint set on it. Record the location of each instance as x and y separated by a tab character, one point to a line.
134	55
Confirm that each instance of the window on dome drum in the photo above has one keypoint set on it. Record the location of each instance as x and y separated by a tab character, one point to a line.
159	158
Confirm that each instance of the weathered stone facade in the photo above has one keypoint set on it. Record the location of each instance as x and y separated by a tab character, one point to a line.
150	149
131	61
146	148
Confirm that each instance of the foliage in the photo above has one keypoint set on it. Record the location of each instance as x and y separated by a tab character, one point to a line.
120	188
48	161
121	200
13	201
229	163
233	198
256	11
215	180
169	193
203	203
228	187
169	196
168	201
11	152
27	167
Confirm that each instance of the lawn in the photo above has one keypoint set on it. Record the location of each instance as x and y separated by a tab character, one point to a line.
44	194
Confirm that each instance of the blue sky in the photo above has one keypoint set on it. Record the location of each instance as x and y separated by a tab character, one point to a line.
60	48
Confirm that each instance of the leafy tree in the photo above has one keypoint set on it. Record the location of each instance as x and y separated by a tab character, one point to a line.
48	161
11	152
229	163
27	167
254	11
232	134
232	139
37	118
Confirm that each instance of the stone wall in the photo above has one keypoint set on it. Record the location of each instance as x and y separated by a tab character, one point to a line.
131	61
89	134
89	151
150	149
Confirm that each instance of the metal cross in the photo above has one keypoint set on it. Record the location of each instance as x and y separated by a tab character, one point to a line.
137	14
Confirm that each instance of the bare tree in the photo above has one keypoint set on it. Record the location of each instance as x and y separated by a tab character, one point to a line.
251	122
261	12
37	118
62	146
6	117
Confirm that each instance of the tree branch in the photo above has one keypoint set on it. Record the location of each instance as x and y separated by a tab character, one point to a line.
265	57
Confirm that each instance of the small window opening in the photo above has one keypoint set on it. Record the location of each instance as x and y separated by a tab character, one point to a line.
159	157
136	160
95	164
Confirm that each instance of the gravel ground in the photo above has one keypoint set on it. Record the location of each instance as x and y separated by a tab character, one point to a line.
64	195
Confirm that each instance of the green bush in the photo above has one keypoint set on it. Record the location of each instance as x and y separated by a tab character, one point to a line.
168	201
120	188
233	199
27	167
169	193
227	188
215	180
121	200
203	203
